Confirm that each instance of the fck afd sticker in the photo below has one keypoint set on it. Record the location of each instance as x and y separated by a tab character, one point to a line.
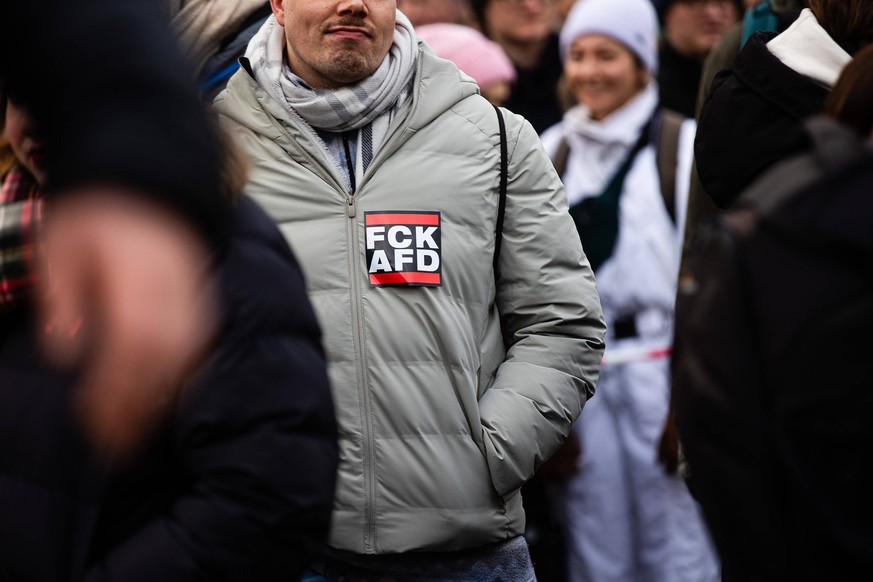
404	248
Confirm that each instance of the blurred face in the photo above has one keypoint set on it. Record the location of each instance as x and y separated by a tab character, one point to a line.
26	143
430	11
519	21
692	27
333	43
562	9
602	74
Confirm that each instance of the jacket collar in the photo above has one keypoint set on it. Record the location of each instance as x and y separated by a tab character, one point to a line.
438	86
806	48
772	81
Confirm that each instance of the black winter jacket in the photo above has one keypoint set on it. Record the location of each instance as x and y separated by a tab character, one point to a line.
772	370
752	119
236	485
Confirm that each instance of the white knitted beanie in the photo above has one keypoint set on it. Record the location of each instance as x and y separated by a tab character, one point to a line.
634	23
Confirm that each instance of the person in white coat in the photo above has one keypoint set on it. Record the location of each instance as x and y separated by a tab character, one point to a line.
627	518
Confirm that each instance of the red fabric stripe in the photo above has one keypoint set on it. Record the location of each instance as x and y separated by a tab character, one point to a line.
13	284
399	278
374	219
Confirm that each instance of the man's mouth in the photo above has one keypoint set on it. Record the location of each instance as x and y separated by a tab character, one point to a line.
352	32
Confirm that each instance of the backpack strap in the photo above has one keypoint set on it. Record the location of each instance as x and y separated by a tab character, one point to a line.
666	156
666	128
560	158
504	174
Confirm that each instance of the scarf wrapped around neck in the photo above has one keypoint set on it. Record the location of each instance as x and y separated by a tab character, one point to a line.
338	110
367	106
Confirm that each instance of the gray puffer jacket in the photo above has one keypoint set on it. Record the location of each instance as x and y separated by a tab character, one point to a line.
439	425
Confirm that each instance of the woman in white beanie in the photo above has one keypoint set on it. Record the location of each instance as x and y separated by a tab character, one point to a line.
626	165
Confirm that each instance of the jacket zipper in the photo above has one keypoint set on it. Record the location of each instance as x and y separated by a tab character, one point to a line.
363	387
367	423
357	315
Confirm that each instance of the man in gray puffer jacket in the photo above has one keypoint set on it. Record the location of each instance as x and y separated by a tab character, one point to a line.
382	165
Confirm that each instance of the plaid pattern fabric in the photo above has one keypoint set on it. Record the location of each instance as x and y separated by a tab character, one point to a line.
20	212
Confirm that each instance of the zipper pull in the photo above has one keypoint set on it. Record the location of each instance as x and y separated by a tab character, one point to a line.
350	209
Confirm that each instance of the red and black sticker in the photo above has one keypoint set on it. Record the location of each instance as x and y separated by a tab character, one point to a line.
404	248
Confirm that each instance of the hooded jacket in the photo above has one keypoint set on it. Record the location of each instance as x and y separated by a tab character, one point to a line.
439	425
754	115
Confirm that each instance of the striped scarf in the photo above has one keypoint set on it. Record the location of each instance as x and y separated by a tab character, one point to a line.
366	107
20	213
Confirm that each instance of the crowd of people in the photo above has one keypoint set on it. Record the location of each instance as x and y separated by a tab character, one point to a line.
436	290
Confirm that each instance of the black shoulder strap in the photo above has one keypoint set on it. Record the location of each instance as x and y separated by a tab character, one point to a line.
666	155
504	171
560	158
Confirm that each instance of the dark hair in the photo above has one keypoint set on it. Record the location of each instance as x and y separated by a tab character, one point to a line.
478	8
848	22
850	100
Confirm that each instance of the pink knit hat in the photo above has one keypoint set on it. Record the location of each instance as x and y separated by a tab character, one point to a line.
468	48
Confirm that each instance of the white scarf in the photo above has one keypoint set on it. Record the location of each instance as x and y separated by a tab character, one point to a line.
366	106
599	147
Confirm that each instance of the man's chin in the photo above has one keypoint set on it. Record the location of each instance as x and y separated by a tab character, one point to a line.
349	68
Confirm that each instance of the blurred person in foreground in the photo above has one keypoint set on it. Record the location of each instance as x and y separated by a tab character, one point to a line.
201	493
132	157
627	516
475	55
122	291
422	12
754	115
772	388
462	326
691	28
524	28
